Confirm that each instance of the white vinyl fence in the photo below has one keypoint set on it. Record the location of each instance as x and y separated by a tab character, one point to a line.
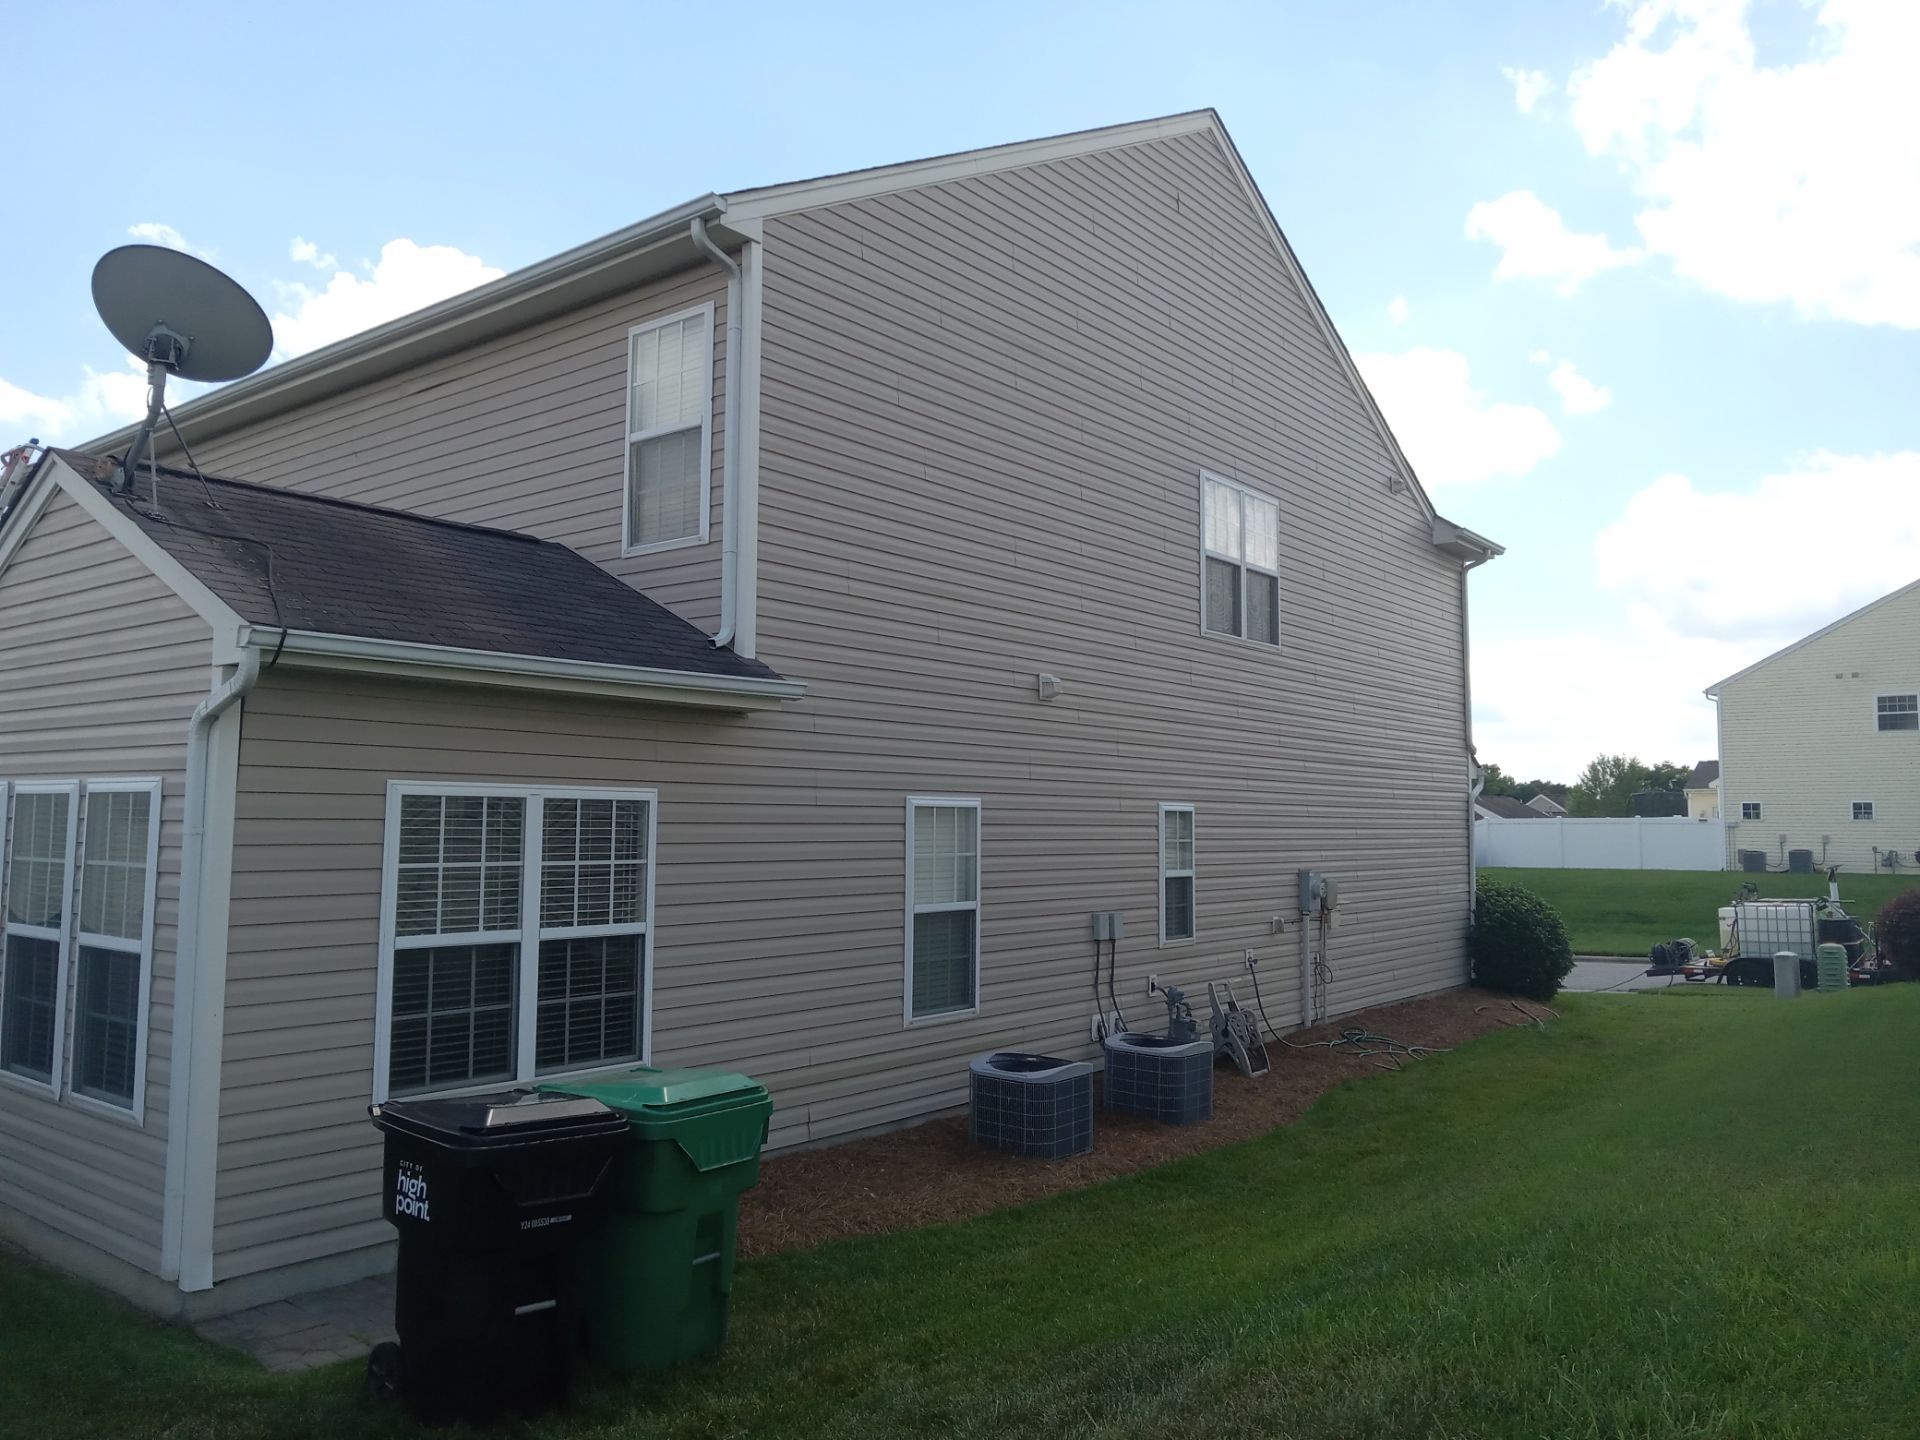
1674	843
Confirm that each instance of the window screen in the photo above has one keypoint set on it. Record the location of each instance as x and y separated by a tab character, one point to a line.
1176	873
943	949
113	955
668	414
39	880
1241	535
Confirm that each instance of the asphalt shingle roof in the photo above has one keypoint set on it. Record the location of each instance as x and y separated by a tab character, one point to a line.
1704	774
338	567
1507	808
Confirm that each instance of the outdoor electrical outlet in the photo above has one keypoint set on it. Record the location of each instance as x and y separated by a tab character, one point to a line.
1249	958
1093	1028
1153	984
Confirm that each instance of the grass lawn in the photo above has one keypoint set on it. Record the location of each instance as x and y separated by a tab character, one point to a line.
1657	1217
1627	912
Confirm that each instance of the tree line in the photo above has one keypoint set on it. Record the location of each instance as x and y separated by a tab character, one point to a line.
1605	788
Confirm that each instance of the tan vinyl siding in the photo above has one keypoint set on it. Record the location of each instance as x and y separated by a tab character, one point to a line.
100	667
986	406
524	432
1800	736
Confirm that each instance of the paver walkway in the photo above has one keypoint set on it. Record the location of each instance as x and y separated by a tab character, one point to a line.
343	1323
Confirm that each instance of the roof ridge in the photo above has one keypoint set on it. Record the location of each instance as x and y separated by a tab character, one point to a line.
343	503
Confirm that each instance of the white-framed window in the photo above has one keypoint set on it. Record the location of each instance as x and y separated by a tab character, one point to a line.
943	907
37	944
113	973
1897	712
1177	914
1239	562
1863	809
669	431
515	934
1749	809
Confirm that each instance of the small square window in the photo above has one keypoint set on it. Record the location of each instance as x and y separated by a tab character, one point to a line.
1863	809
1750	810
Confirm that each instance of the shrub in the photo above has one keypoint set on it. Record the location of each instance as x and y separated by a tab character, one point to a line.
1520	945
1898	932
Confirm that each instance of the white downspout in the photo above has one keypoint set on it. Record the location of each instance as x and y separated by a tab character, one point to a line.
730	453
186	966
1476	777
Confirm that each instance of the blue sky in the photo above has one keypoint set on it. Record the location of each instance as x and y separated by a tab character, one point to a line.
1638	285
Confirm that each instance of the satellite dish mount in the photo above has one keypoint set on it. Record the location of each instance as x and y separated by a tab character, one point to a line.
181	317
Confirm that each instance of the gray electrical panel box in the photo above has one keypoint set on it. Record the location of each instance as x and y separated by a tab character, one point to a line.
1318	893
1109	925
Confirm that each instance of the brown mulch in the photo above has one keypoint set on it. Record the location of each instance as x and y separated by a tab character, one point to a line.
932	1175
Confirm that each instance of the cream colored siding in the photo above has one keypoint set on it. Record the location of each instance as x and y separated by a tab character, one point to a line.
525	432
100	668
986	408
1799	735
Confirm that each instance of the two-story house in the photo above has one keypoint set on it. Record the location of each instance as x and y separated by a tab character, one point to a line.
1820	744
758	638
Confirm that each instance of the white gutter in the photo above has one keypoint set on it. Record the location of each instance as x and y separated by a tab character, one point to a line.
193	1104
730	444
525	672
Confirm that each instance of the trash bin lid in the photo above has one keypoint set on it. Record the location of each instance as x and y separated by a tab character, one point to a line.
717	1117
644	1093
498	1117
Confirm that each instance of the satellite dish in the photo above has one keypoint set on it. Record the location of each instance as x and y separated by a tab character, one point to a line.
182	317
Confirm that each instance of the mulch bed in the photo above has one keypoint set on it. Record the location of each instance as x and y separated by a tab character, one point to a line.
932	1175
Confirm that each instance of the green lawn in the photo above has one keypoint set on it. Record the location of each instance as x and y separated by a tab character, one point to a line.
1627	912
1658	1217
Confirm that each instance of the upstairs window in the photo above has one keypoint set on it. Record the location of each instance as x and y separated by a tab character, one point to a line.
1863	809
1749	809
1240	532
1897	712
669	430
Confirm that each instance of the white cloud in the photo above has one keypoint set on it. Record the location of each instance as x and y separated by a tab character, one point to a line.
1535	243
103	400
1795	183
1530	87
155	234
1453	433
1397	310
406	277
1578	394
1753	582
308	253
1540	357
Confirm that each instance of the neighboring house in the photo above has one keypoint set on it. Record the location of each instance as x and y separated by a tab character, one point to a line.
1703	791
1820	743
1545	804
1503	807
760	638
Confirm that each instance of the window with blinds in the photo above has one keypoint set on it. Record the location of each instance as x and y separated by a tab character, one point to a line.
519	939
669	430
39	880
1177	921
1897	712
1240	532
943	907
117	872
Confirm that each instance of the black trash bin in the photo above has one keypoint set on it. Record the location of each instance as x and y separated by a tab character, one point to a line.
488	1193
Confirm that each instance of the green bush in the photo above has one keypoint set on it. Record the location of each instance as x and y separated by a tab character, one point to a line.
1898	932
1519	944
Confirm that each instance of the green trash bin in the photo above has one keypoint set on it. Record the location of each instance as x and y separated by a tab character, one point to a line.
657	1273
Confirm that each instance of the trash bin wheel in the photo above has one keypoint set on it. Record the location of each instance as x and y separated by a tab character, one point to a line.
384	1372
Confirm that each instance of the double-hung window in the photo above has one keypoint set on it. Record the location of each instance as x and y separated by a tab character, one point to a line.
669	430
1897	712
33	965
115	971
1240	532
517	937
943	907
1177	921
